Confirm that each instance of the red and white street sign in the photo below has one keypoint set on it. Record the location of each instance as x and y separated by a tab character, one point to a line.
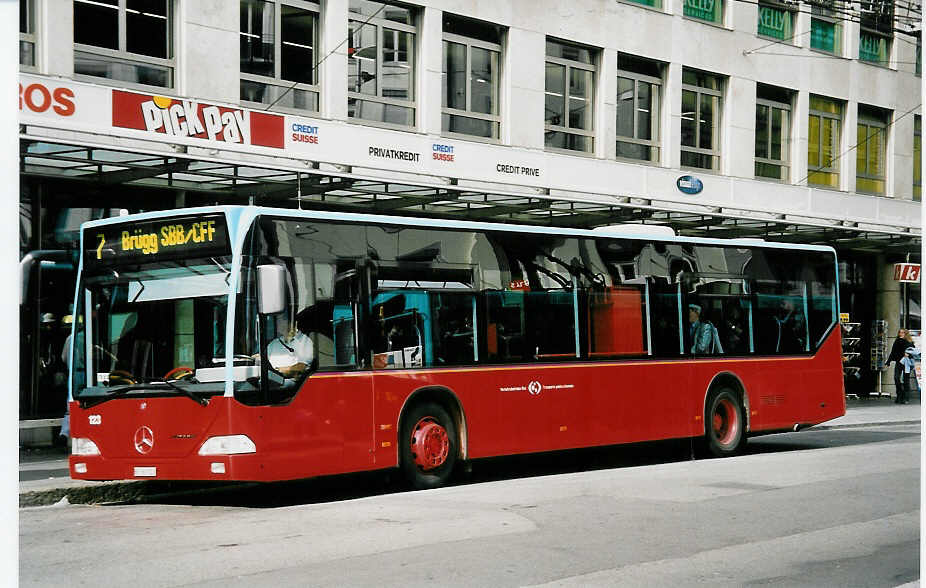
907	272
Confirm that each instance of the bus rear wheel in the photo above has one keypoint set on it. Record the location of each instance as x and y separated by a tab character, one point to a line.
428	442
726	423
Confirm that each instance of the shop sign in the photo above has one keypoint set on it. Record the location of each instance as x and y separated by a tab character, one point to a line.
689	185
39	98
517	170
398	154
442	152
703	9
870	48
844	317
63	104
823	35
907	272
304	133
772	22
196	120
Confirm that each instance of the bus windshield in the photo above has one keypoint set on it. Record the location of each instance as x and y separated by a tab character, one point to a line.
151	324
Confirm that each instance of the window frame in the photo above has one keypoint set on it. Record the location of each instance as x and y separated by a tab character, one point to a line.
656	118
828	14
495	119
570	64
837	141
871	122
875	32
785	162
918	62
122	55
657	5
277	79
29	36
917	158
721	22
783	6
716	153
380	23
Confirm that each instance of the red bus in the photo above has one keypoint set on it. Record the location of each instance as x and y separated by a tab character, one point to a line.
247	343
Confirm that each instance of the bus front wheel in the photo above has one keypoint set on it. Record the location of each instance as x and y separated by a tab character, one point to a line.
725	423
429	446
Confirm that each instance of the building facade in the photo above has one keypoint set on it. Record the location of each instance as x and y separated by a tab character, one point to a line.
776	120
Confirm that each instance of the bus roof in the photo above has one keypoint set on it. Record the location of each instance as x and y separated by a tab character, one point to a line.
245	214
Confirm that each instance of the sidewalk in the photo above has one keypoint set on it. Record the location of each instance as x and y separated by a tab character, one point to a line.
875	410
46	468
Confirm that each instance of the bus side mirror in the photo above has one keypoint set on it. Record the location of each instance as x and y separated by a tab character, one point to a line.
271	289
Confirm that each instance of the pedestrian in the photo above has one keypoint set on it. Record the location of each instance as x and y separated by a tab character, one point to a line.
897	353
908	364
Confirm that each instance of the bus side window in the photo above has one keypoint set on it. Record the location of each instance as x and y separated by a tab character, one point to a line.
453	336
505	311
665	315
617	322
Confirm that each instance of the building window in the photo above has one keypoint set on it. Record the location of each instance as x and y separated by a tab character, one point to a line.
709	10
826	27
470	86
639	88
701	112
381	63
773	132
918	67
278	53
876	22
27	33
650	3
570	94
871	149
124	40
917	158
776	21
823	142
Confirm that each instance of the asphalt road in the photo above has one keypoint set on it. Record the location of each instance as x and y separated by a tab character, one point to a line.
819	508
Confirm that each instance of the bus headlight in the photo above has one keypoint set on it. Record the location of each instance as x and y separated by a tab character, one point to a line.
82	446
228	445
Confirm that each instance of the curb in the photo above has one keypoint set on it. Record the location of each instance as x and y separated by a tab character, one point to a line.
860	425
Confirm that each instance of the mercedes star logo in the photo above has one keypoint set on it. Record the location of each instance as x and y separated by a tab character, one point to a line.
144	440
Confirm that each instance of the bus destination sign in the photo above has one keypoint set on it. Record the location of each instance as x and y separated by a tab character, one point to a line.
153	240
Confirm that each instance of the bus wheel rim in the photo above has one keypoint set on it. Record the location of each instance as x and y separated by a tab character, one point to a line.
725	422
430	444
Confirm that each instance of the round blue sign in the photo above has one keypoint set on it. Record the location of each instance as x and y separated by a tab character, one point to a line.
689	184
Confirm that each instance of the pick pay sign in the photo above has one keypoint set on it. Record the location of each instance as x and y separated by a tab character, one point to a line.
196	120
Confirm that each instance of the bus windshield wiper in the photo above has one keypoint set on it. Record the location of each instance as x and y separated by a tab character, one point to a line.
184	391
122	391
114	394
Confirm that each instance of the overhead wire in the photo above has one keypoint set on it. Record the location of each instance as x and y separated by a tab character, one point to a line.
329	54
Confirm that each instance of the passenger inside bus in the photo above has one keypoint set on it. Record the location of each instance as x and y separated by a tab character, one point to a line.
702	334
